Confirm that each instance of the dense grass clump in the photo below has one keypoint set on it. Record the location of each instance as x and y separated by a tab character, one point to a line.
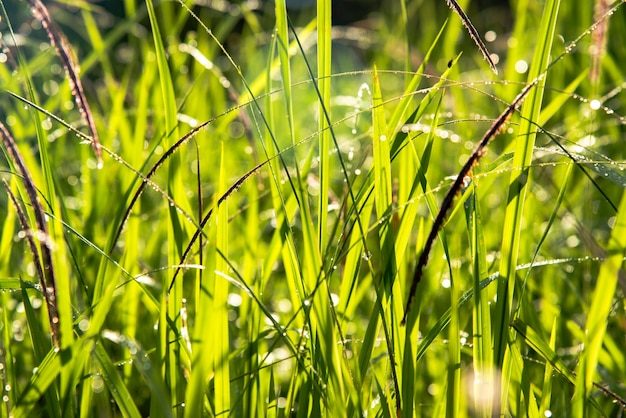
264	209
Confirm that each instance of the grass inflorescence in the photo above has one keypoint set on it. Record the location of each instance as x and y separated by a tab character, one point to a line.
256	209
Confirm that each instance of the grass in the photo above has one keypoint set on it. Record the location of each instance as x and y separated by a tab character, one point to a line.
231	209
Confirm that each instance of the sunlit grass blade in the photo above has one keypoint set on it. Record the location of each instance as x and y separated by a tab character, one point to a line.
382	186
170	353
484	376
383	199
518	186
219	313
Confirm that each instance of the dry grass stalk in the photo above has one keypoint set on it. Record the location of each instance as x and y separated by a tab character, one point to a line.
473	33
498	125
63	49
45	268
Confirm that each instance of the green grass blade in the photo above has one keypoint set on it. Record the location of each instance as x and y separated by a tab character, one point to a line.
287	286
116	386
42	346
483	360
548	381
382	163
324	70
49	369
219	316
518	185
599	312
176	234
537	343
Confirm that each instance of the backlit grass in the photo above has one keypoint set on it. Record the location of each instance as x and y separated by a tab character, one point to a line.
248	240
